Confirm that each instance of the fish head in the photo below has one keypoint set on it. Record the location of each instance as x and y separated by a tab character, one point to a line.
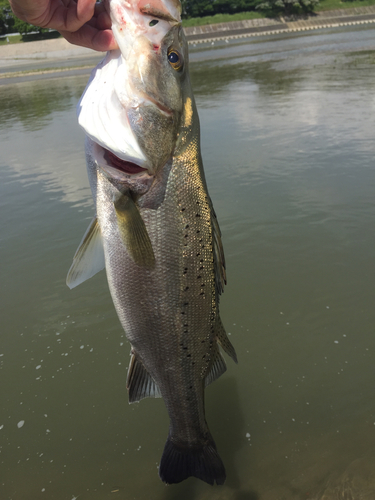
133	104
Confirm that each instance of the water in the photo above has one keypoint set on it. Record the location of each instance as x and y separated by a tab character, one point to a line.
287	131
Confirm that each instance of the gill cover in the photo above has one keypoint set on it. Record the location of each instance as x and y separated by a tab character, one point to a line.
133	101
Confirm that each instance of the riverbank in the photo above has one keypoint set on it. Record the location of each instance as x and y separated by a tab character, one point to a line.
57	55
262	26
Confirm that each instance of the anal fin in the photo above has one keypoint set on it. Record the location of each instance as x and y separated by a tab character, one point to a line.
139	382
225	343
89	257
217	366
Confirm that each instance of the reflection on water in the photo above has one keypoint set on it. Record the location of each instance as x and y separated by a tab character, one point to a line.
34	104
288	148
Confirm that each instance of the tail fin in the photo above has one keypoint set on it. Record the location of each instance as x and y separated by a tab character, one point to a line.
179	462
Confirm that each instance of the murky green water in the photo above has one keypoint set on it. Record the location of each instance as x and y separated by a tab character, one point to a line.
288	145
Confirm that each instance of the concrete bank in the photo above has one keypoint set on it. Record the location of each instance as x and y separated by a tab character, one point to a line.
58	53
267	26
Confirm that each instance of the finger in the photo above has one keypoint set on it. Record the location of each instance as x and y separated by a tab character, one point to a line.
99	8
92	38
77	14
103	21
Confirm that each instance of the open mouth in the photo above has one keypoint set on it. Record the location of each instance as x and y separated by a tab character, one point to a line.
125	166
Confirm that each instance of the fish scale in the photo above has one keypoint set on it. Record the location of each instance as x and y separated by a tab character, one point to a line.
156	232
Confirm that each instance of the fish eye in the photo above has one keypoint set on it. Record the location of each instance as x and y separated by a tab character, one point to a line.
153	22
175	59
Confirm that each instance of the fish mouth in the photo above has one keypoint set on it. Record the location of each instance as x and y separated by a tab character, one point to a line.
125	166
118	169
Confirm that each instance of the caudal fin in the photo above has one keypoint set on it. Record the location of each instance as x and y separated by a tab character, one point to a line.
178	463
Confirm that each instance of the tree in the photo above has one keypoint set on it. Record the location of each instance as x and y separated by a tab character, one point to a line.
287	6
6	18
24	28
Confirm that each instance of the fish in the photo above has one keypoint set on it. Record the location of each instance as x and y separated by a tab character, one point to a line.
155	230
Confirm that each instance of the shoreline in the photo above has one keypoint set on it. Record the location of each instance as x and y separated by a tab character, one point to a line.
282	24
35	60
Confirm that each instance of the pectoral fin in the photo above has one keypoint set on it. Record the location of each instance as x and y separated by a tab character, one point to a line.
89	257
139	383
133	231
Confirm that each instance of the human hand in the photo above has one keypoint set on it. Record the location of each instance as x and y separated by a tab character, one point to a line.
82	22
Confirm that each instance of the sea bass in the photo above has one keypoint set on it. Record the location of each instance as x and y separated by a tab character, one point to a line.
155	222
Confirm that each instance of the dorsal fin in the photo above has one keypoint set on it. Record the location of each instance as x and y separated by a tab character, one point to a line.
89	257
139	382
220	274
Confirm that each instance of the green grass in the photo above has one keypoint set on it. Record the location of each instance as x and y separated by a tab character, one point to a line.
221	18
337	4
225	18
12	39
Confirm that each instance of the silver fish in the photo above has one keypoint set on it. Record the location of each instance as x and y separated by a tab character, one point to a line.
155	221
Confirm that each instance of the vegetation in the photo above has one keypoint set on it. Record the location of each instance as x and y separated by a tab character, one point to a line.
6	18
210	10
9	23
195	13
287	7
221	18
345	4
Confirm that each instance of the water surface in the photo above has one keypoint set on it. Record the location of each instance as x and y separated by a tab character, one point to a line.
287	137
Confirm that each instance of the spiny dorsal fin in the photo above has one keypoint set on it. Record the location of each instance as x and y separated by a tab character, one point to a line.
218	366
89	257
225	343
220	274
133	231
139	382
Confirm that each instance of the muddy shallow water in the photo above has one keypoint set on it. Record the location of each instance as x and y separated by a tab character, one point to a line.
288	147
